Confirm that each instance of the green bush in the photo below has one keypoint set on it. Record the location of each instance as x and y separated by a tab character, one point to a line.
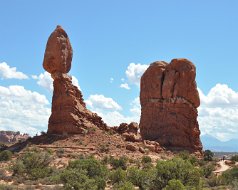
208	155
207	169
178	169
119	163
214	181
141	178
174	185
6	187
124	186
184	155
230	175
234	158
5	155
33	165
77	180
118	176
85	174
146	159
92	167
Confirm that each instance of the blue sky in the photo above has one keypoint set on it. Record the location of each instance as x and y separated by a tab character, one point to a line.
107	37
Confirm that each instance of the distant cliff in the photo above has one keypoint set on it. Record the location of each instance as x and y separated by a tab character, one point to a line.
12	137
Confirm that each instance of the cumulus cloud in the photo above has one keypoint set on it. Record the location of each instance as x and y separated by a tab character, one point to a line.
218	113
134	72
7	72
125	86
75	82
100	102
23	110
110	110
44	80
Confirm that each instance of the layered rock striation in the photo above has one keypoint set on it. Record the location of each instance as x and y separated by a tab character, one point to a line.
69	112
169	101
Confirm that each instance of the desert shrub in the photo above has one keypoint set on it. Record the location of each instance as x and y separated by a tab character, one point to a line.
230	175
92	167
184	155
178	169
3	146
6	187
234	158
141	178
5	155
104	148
214	181
208	155
85	174
60	152
117	176
33	165
124	186
146	159
208	169
174	185
73	179
119	163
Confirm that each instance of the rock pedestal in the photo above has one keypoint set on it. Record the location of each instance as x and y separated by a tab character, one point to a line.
69	113
169	101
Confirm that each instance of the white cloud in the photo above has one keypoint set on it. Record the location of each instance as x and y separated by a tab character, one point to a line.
134	72
23	110
125	86
103	103
112	116
75	82
44	80
111	80
218	113
7	72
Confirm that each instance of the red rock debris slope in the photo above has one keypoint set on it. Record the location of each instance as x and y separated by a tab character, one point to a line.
169	101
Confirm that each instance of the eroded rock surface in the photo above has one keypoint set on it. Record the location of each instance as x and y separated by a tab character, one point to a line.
69	113
12	137
169	101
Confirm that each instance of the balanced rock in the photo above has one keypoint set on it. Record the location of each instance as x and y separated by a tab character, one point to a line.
69	113
169	101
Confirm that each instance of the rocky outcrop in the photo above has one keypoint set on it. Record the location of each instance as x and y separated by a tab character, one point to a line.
12	137
69	113
169	101
133	127
130	132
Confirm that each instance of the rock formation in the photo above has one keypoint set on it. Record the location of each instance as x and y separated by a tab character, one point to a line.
69	113
12	137
169	101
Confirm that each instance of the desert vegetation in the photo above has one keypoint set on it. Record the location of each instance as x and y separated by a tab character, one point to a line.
181	172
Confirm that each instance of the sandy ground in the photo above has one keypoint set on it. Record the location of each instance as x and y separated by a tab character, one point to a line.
223	167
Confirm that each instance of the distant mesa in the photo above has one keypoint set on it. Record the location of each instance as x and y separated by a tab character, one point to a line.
12	137
169	101
69	113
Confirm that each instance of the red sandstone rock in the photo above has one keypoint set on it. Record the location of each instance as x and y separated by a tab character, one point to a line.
58	53
133	127
169	101
69	113
131	147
